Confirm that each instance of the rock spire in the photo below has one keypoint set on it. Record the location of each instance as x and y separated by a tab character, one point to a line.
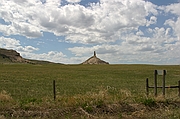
94	60
94	53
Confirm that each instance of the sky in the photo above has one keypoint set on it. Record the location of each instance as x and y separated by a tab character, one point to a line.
69	31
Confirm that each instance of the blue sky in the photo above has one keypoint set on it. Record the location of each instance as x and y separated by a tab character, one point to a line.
69	31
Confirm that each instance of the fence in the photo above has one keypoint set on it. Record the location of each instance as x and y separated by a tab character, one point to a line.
163	73
156	72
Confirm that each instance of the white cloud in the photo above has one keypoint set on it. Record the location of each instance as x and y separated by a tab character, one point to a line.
153	20
73	1
105	20
174	23
110	20
52	56
16	15
173	8
129	24
21	29
176	27
139	33
51	3
9	43
27	49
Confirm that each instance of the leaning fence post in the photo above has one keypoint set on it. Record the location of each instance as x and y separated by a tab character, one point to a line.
147	87
54	89
155	82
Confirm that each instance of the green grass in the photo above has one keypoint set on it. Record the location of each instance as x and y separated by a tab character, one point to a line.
82	85
25	81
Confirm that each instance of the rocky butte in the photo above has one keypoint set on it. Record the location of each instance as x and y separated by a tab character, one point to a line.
11	55
94	60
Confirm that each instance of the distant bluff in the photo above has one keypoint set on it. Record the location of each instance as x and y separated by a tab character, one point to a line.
94	60
11	55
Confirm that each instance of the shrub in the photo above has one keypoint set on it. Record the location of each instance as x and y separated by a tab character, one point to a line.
149	102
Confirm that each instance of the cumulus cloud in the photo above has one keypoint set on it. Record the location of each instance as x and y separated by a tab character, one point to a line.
27	49
51	3
175	21
73	1
126	29
16	17
9	43
52	56
139	33
104	20
152	20
173	8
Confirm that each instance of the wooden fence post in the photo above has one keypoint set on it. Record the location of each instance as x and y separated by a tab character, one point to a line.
163	82
54	89
155	82
179	87
147	87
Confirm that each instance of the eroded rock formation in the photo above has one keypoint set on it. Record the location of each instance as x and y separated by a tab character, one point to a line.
94	60
11	55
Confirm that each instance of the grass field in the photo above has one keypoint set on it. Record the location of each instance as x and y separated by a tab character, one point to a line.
86	91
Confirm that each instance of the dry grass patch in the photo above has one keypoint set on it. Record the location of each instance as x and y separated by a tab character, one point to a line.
101	104
5	97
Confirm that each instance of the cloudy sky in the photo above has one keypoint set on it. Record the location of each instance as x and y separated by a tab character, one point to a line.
69	31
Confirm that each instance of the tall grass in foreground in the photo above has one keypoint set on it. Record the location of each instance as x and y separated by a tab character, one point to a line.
26	86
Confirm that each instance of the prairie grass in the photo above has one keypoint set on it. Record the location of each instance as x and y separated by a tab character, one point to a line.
4	97
90	87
